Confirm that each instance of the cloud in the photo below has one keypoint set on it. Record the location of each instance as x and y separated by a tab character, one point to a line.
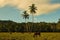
46	8
43	6
3	3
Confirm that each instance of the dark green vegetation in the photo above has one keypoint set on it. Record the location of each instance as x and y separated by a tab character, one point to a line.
10	26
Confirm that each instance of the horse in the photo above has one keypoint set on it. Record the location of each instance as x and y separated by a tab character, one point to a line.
36	34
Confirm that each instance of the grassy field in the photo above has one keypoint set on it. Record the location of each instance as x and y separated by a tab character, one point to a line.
29	36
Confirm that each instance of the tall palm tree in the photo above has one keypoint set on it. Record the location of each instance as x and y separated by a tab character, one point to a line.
26	16
33	11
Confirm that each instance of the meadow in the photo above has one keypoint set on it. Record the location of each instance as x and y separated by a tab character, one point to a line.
29	36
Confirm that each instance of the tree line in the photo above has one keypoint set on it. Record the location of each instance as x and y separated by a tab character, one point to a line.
10	26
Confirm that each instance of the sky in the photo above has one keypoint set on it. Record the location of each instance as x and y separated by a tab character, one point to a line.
47	10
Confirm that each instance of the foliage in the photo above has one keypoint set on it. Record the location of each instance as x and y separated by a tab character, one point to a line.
10	26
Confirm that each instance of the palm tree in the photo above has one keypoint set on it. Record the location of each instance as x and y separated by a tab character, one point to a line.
33	11
26	16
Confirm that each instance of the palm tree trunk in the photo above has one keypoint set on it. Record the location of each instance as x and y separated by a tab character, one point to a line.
32	18
25	21
32	21
26	25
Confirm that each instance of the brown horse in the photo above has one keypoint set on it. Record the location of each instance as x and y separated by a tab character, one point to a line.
36	34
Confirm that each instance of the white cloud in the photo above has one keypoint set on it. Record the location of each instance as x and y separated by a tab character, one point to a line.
43	6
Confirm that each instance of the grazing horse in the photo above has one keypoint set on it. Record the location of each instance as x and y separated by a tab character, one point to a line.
36	34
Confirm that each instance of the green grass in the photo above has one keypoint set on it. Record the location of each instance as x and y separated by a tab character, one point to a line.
29	36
